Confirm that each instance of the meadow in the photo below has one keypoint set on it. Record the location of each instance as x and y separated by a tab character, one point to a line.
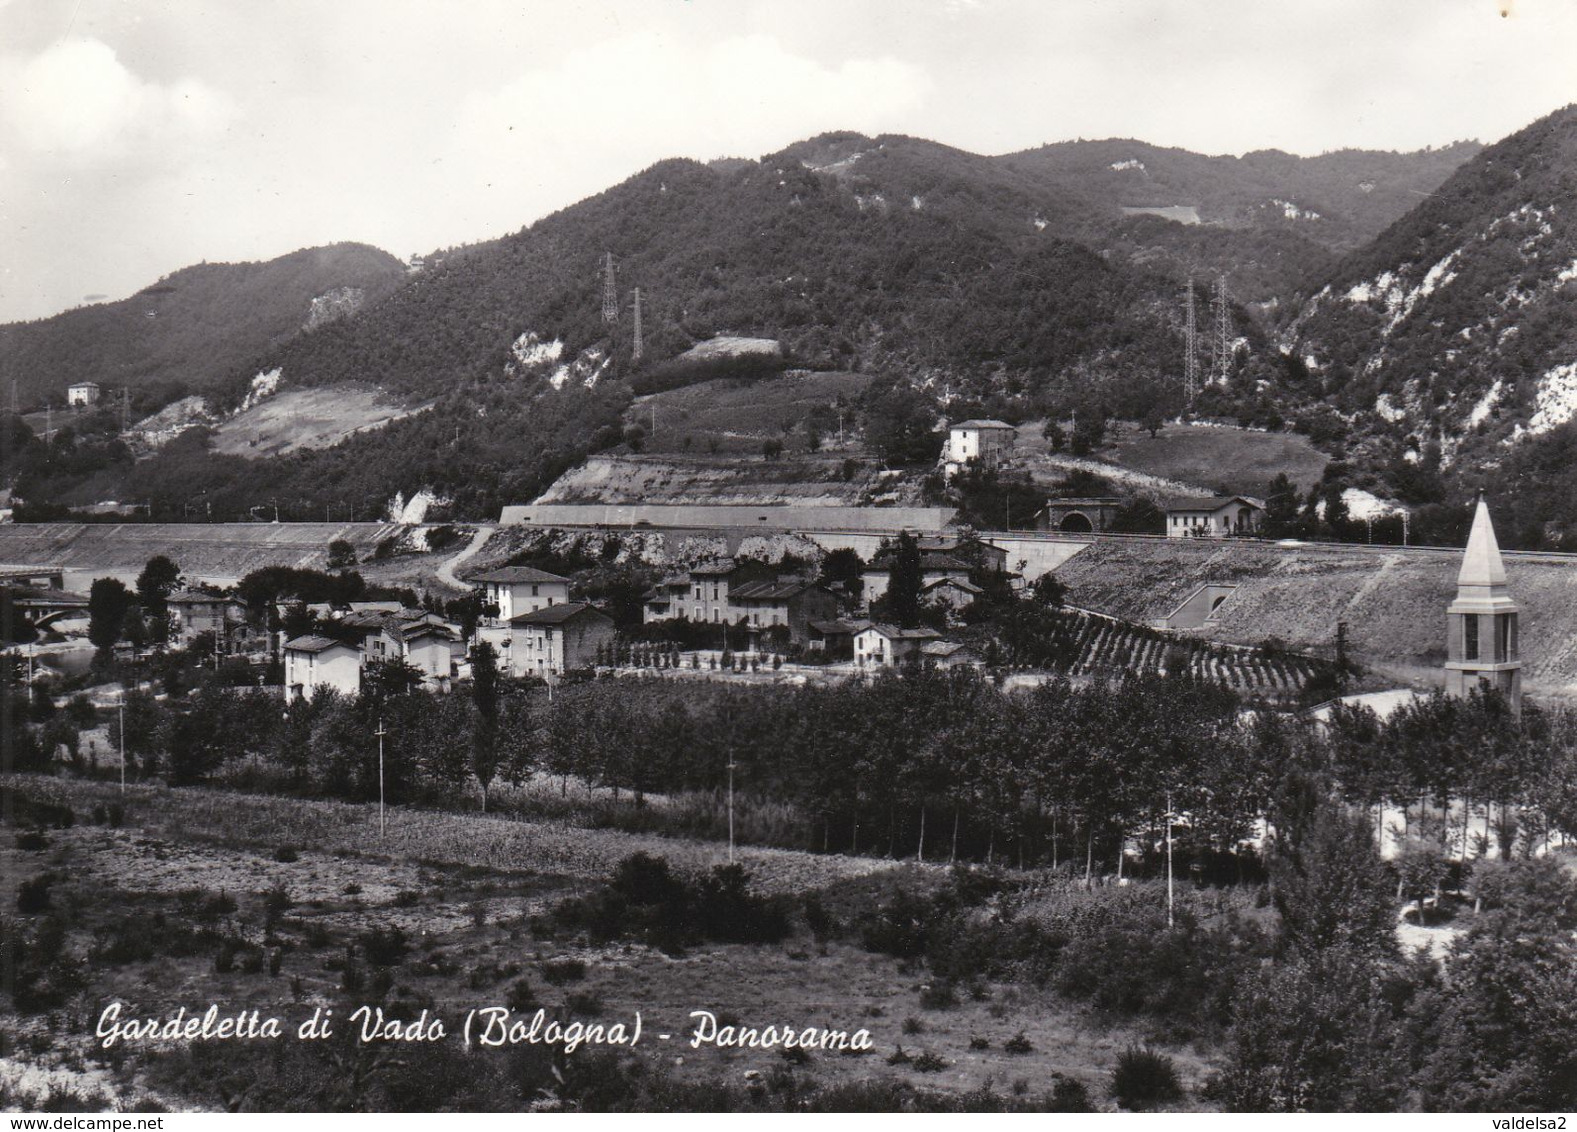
190	897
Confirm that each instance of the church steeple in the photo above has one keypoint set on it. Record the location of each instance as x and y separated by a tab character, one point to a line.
1481	624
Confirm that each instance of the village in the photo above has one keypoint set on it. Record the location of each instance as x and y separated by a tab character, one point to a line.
740	612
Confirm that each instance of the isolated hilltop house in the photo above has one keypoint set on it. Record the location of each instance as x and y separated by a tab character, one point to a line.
1481	623
82	393
1214	516
986	443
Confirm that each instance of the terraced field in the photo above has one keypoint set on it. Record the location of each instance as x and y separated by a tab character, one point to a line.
1393	602
1094	645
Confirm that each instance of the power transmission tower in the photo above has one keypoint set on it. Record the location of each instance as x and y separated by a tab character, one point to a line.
635	348
610	291
1222	368
1190	345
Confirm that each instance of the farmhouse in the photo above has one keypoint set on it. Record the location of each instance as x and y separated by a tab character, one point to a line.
933	568
966	548
418	638
82	393
1214	516
881	645
557	639
835	638
790	602
986	443
520	589
662	601
313	662
950	654
193	613
954	593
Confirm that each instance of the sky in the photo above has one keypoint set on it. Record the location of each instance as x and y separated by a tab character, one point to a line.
139	137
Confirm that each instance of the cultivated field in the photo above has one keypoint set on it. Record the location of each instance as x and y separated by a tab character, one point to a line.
719	480
1183	458
734	416
1393	601
308	418
298	897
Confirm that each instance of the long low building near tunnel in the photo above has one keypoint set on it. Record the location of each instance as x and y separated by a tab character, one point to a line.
774	517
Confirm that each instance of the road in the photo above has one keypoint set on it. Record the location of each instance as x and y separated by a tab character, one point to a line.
446	572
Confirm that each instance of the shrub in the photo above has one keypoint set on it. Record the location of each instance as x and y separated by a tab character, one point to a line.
384	947
584	1002
32	841
33	896
929	1062
558	972
1144	1078
1070	1095
1018	1043
520	998
979	1043
913	1025
938	996
286	855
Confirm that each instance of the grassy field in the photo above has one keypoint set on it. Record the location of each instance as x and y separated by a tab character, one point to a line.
732	416
290	884
1212	456
299	419
1195	457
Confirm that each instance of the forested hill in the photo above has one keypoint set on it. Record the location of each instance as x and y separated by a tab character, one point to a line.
1267	220
193	327
908	256
1449	343
1339	200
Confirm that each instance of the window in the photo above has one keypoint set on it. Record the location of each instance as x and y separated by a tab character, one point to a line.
1470	637
533	591
1504	643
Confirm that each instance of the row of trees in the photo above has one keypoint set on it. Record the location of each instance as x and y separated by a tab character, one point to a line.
898	764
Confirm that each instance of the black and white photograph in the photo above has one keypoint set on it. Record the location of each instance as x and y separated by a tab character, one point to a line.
749	556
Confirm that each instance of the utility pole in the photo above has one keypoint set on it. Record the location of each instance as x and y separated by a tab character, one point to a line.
610	292
635	349
1190	345
730	811
1169	914
380	733
122	712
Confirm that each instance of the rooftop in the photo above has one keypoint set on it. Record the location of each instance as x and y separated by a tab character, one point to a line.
514	575
984	425
1209	502
894	633
558	614
314	643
